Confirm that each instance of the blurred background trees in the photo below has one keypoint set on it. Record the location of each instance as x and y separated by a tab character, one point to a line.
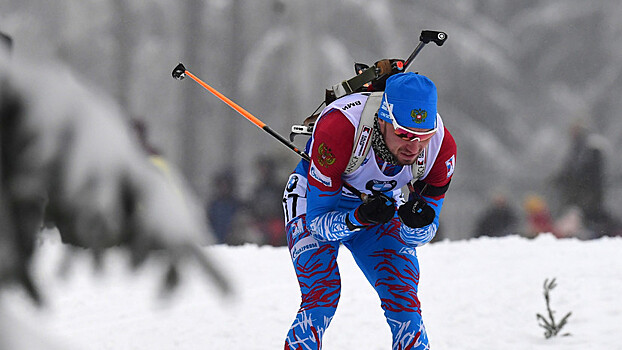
512	77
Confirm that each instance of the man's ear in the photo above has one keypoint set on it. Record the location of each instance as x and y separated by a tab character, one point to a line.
382	125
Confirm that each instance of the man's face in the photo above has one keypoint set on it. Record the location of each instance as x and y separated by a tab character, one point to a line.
406	152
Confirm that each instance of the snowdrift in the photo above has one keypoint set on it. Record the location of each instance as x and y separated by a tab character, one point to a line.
475	294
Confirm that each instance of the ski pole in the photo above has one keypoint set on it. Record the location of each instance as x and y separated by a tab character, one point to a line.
426	36
180	72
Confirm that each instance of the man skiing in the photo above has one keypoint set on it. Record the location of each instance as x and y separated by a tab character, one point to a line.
408	142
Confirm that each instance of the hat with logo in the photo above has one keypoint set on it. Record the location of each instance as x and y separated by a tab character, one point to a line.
411	99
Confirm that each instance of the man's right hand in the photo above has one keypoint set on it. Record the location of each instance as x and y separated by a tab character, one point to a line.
376	210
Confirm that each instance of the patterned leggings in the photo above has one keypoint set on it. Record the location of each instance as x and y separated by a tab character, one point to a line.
389	265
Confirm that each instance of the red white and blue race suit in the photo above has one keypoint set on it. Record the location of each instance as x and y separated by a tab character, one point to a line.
316	206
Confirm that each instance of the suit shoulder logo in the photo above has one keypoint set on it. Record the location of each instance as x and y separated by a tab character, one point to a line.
326	157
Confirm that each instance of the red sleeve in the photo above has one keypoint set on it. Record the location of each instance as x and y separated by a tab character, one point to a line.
331	150
443	168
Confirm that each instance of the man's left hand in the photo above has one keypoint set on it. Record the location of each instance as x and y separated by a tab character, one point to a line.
416	213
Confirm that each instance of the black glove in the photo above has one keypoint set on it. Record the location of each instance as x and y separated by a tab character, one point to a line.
416	213
377	209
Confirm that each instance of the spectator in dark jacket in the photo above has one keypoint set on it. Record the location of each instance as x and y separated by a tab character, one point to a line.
498	220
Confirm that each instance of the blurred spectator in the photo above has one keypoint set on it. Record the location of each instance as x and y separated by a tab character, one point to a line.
67	154
6	41
498	220
140	127
155	156
580	181
571	224
265	203
538	217
224	208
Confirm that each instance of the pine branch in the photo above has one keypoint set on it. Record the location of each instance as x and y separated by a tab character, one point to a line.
551	327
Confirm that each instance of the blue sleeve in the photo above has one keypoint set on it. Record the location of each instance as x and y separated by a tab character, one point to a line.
330	152
421	235
325	222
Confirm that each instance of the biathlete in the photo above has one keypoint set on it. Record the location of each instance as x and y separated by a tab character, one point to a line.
378	149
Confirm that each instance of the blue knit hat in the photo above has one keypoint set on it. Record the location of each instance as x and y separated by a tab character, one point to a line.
412	98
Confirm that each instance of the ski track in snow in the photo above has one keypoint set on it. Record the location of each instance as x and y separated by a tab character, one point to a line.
475	294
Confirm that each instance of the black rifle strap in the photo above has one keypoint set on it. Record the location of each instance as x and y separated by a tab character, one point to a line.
355	83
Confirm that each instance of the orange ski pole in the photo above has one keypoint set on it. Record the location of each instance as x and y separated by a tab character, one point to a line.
181	72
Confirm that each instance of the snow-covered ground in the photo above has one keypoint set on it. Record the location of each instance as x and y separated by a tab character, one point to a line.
476	294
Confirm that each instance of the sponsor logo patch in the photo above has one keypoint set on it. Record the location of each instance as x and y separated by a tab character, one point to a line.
315	173
451	165
296	227
326	157
381	186
421	164
292	183
304	245
362	141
